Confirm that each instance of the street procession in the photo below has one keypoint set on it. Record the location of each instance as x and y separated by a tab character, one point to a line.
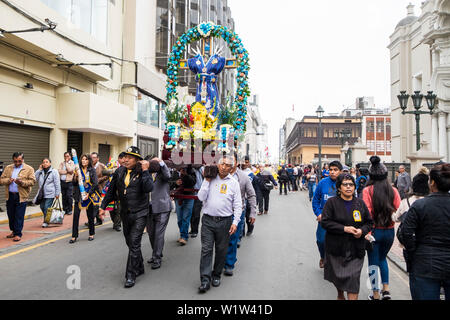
160	150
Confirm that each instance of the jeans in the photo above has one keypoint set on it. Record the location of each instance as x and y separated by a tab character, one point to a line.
312	189
283	184
67	197
428	289
232	246
45	204
384	238
184	213
320	240
16	213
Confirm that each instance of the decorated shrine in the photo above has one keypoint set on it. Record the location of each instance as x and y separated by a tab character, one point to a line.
216	125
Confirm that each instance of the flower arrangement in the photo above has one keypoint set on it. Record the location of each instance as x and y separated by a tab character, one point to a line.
209	29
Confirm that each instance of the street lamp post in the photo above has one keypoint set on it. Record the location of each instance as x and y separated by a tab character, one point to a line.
417	98
320	113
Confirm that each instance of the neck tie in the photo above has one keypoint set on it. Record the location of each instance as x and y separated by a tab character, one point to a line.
127	178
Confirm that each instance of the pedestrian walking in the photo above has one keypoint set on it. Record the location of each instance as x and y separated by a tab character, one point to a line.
86	202
49	186
102	180
66	170
382	200
222	210
313	180
18	179
403	182
325	171
160	208
197	209
283	180
267	183
347	221
420	189
249	217
131	185
184	183
425	235
113	207
325	190
248	196
290	172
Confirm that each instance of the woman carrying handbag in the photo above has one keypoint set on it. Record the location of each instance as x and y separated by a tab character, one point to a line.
49	187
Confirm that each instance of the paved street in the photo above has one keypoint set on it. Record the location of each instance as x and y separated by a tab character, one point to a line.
279	261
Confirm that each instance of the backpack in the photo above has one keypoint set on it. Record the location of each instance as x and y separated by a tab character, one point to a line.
266	183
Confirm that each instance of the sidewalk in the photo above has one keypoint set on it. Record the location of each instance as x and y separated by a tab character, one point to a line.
396	253
33	231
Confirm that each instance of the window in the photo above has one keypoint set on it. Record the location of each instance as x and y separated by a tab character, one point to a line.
380	126
148	110
88	15
370	126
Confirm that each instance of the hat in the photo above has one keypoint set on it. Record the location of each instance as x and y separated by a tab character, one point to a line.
134	151
377	170
420	185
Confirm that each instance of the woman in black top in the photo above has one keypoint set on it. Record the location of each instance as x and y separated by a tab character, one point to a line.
346	220
426	237
89	177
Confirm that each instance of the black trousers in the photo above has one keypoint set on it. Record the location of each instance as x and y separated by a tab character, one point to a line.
67	196
76	219
259	201
250	227
195	219
156	229
115	216
283	184
265	199
133	229
215	236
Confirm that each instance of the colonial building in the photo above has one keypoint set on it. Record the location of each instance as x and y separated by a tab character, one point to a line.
302	143
420	61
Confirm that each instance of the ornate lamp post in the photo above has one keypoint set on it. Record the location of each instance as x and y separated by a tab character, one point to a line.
320	113
417	98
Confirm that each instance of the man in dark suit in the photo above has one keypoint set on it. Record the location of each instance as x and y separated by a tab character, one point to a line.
131	185
160	209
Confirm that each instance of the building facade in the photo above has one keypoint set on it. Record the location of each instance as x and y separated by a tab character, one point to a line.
302	143
420	61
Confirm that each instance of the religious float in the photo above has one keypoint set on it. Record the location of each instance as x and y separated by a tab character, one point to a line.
195	133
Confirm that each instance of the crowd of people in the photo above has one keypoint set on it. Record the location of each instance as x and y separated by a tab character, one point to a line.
356	210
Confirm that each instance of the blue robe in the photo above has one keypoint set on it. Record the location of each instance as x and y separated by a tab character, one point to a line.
206	76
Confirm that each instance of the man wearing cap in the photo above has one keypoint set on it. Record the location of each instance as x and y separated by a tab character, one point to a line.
222	210
131	185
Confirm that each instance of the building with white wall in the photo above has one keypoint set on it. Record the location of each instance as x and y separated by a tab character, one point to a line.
420	61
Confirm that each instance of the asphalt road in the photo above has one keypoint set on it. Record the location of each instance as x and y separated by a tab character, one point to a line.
278	262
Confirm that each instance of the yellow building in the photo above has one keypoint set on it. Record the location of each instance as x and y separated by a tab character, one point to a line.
302	145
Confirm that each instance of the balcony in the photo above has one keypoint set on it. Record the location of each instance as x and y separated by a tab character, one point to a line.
87	112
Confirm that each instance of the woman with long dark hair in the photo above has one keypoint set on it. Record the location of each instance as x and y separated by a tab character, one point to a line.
346	220
382	200
425	235
89	178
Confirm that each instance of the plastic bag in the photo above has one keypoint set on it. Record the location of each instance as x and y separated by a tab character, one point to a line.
55	214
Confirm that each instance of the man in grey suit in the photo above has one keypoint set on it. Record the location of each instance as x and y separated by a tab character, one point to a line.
160	208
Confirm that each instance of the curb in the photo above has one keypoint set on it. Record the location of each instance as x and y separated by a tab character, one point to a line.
397	261
28	217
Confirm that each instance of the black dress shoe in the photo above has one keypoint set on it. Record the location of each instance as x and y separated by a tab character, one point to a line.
194	235
140	273
204	287
216	282
118	229
98	223
73	241
91	239
130	283
150	261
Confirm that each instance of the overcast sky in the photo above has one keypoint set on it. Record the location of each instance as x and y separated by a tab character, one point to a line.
316	52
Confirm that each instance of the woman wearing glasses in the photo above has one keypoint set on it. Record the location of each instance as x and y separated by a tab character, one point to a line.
347	221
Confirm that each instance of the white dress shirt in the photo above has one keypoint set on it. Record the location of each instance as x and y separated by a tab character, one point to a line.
222	198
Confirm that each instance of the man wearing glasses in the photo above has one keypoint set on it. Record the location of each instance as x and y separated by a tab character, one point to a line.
222	210
18	179
325	190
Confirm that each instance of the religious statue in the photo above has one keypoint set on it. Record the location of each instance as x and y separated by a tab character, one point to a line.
206	76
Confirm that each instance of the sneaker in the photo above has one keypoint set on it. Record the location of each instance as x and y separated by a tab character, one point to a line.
370	297
385	295
44	225
228	272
